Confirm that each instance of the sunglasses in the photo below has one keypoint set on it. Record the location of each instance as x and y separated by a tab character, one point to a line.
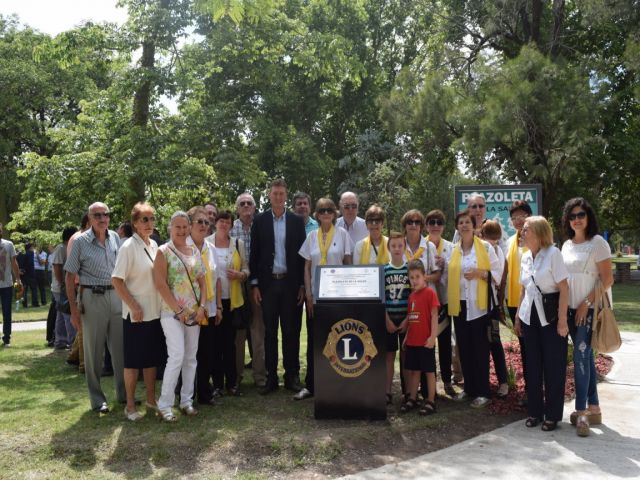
246	203
433	222
350	206
414	222
148	219
473	207
99	215
374	221
580	215
323	211
202	221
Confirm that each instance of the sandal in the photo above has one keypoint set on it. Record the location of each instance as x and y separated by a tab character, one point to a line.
168	416
582	426
532	422
549	426
408	406
428	408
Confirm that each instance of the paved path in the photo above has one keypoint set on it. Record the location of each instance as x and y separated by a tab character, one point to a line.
517	452
24	326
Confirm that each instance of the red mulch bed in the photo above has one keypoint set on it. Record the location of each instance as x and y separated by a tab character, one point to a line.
512	355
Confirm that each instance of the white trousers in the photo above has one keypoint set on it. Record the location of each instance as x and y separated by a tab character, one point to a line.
182	346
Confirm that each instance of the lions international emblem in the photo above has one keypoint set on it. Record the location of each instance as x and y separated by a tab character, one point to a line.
350	347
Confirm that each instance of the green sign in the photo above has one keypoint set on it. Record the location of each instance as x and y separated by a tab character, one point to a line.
499	199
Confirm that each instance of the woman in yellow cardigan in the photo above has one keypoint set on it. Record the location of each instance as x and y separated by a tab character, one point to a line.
471	262
232	270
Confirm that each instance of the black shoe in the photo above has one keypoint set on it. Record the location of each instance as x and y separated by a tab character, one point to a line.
50	343
73	363
268	388
217	393
107	373
249	365
294	385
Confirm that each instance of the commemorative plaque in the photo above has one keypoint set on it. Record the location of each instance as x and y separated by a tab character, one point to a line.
349	343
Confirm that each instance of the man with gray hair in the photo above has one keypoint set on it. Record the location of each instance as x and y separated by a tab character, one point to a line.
354	225
302	206
254	335
97	310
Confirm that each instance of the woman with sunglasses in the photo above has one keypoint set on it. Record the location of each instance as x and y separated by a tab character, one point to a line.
179	276
373	249
200	227
435	221
328	245
587	256
233	269
519	212
543	276
132	279
418	248
470	264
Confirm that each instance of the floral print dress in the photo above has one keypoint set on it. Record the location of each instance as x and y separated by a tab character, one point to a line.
182	281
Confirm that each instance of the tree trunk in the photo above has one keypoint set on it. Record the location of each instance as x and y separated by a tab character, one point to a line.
536	14
558	19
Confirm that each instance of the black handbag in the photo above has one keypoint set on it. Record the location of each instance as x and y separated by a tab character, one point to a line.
550	303
493	315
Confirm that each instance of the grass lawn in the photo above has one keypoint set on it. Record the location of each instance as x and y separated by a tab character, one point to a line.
626	304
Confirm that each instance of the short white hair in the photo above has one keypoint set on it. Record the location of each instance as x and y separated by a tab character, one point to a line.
95	205
245	194
349	194
474	196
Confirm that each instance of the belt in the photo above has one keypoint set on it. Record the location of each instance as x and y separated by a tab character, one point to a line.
98	287
278	276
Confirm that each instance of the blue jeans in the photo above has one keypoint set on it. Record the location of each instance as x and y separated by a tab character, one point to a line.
583	362
6	296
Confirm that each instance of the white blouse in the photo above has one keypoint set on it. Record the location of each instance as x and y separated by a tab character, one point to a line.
341	245
581	260
134	265
549	270
469	288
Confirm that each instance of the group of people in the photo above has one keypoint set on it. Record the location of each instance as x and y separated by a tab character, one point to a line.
221	282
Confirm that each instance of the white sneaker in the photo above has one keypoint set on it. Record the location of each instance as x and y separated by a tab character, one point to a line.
480	402
302	394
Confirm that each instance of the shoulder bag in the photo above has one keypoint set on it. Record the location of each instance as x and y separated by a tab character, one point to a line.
550	303
605	336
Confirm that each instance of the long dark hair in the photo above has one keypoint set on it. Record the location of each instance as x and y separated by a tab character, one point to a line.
592	223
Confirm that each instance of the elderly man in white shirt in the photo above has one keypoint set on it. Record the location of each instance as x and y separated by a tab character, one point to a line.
355	226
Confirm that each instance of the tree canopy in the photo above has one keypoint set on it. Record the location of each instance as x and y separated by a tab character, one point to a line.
193	100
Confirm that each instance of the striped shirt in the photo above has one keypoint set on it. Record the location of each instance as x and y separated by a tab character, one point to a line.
92	261
396	290
238	231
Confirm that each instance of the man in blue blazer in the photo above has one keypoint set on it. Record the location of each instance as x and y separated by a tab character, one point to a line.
277	283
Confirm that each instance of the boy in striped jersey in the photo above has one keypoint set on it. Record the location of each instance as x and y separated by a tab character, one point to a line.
397	290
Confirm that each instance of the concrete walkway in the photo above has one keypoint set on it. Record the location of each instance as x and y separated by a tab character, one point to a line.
517	452
24	326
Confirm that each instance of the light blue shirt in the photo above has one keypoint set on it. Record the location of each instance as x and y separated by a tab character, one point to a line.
279	238
310	226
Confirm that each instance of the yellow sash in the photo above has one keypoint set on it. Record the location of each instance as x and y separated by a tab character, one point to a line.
235	288
513	265
440	246
453	285
324	245
383	253
416	256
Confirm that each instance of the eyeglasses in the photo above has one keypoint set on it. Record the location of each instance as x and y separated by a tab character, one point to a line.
374	221
434	221
99	215
148	219
323	211
350	206
246	203
414	222
580	215
202	221
473	207
515	218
